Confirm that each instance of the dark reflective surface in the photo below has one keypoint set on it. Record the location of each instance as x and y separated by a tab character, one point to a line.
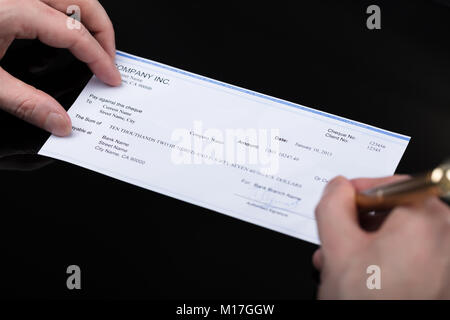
133	243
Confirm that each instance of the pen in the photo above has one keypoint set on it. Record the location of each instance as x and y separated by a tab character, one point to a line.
435	182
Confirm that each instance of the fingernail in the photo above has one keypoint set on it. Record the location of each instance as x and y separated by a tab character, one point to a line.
57	124
116	76
119	77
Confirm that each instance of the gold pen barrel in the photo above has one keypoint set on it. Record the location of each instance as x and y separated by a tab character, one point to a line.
415	189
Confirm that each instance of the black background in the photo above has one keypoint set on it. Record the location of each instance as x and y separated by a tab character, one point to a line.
133	243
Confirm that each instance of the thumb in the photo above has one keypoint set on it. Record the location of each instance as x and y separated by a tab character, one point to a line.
33	105
337	217
317	259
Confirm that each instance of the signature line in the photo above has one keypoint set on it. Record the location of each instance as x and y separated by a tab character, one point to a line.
274	207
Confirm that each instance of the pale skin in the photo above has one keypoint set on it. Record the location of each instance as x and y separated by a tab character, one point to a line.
412	247
46	20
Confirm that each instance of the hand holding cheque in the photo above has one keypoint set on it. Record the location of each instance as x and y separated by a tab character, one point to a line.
47	21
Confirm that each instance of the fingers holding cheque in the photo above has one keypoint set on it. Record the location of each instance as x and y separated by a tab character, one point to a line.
91	41
409	251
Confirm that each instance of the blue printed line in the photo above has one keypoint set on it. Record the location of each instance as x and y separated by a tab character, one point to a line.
262	96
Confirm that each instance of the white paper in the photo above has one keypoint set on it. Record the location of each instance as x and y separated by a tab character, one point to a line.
232	150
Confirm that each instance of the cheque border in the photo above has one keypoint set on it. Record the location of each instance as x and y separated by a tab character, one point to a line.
263	96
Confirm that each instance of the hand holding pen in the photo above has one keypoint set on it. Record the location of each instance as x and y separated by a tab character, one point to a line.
410	249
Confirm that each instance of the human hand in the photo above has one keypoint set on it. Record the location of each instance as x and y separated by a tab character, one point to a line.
92	42
412	247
